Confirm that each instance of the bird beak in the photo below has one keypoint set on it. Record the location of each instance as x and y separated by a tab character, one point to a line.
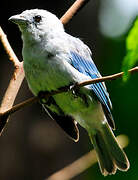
17	19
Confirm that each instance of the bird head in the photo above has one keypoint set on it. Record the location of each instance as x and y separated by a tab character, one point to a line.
37	21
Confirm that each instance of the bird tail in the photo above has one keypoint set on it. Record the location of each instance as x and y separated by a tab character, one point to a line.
110	156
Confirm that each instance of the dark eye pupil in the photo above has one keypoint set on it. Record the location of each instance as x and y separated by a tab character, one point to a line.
37	18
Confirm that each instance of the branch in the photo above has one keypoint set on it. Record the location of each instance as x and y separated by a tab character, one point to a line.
107	78
82	163
65	89
15	82
8	48
74	9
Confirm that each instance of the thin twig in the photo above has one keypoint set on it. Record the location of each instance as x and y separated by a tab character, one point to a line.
83	163
8	48
73	10
106	78
65	89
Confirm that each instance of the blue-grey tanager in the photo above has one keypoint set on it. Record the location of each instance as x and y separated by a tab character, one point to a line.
54	59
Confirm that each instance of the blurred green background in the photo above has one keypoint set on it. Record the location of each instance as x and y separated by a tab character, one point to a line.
32	146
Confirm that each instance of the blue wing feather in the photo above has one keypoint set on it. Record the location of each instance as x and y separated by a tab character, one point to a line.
88	68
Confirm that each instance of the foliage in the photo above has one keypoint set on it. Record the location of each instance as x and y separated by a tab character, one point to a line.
131	57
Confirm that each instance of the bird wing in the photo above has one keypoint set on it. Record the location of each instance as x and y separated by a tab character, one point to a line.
82	61
66	122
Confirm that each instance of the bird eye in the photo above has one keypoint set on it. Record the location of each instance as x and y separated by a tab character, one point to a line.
37	18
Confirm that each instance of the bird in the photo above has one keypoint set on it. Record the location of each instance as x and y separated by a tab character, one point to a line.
54	59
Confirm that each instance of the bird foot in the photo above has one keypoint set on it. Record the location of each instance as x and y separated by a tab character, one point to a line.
42	97
74	89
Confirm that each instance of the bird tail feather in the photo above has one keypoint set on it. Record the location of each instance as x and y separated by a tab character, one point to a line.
110	156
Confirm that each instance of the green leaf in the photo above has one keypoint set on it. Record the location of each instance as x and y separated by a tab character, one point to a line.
131	57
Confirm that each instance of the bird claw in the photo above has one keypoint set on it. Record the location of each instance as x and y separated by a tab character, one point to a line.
73	88
42	98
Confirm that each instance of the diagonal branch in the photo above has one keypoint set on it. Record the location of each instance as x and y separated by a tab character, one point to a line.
65	89
15	82
107	78
74	9
8	48
83	163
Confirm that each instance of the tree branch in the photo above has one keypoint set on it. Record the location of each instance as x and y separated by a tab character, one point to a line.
8	48
74	9
83	163
107	78
65	89
15	82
